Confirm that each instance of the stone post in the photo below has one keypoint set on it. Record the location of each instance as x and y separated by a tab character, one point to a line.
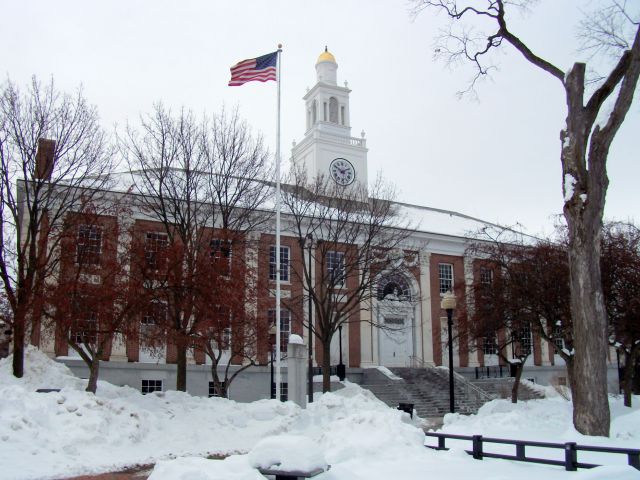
297	370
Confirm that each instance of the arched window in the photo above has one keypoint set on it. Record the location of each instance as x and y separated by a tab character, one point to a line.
394	287
314	112
333	110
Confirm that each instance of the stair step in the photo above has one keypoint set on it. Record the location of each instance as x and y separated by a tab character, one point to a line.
428	390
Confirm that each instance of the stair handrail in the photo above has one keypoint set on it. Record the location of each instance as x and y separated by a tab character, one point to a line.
468	385
417	362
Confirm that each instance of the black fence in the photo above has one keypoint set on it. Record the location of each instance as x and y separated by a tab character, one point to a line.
570	462
333	370
494	371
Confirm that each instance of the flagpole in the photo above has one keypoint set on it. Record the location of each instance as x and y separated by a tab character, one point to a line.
278	201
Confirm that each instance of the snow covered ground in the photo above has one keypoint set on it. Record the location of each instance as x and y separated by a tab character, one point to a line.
61	434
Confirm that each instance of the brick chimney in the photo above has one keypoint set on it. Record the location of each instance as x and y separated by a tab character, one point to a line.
44	158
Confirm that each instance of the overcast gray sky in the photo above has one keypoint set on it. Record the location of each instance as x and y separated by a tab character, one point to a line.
496	158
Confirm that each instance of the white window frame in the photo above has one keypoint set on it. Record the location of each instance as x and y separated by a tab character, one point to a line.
285	326
150	321
285	263
525	338
558	340
217	251
442	277
490	344
89	244
79	332
335	261
486	276
154	243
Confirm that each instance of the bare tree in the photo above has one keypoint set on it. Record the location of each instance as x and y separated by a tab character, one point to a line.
203	183
621	285
584	152
520	287
40	182
92	299
358	234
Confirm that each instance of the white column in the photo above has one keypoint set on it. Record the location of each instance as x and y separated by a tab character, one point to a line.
474	361
366	335
297	371
424	323
123	246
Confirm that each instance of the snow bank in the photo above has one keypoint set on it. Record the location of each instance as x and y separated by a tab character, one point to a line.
545	419
548	420
72	432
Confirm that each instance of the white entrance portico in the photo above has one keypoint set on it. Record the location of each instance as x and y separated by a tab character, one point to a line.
395	314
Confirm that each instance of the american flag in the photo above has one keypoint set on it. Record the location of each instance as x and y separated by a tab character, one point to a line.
261	69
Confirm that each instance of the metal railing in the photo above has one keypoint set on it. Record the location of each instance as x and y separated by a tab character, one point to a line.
470	388
417	362
571	449
333	370
493	371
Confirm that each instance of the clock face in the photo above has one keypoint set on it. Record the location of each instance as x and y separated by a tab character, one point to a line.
342	171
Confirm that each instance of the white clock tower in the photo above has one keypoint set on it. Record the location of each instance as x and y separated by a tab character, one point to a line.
327	147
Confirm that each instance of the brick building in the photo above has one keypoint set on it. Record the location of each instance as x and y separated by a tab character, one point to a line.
406	302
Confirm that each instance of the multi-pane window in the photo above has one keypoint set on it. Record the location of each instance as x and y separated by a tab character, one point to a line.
445	272
486	276
89	245
84	328
220	328
149	386
155	245
285	327
284	391
558	338
335	268
155	314
85	322
212	390
285	257
526	341
220	254
226	338
490	344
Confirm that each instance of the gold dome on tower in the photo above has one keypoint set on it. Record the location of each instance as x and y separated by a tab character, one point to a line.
326	56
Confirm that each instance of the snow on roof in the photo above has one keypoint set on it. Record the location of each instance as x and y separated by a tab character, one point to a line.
445	222
421	218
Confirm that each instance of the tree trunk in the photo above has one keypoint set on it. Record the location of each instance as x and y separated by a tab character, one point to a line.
585	187
18	343
571	376
326	365
627	385
181	367
221	388
94	370
591	414
516	382
629	374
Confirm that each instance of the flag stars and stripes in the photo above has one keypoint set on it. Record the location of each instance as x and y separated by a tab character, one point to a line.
261	69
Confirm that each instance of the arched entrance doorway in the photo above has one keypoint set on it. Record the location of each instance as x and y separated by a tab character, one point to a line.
396	321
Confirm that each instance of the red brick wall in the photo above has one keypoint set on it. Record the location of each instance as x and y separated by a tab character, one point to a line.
437	312
291	291
68	269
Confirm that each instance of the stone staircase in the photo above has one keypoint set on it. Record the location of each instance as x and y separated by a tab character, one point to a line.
501	388
428	389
